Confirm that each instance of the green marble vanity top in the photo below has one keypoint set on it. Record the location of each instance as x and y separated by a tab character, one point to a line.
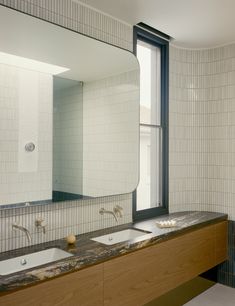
88	252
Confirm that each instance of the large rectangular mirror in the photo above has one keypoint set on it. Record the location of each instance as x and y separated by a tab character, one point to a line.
69	114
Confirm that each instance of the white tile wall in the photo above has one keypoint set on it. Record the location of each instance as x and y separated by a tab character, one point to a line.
202	126
18	182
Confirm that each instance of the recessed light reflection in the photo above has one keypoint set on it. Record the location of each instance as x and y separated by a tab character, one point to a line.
26	63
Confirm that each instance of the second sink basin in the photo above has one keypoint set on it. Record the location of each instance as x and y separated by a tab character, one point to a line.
28	261
120	236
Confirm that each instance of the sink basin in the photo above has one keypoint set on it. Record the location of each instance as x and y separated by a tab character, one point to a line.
120	236
28	261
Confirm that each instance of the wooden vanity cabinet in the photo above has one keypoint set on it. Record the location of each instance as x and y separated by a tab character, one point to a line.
82	288
141	276
135	278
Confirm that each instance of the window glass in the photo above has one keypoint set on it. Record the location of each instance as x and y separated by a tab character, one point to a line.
149	188
150	83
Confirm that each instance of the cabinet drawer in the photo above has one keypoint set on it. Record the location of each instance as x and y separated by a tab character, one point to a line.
82	288
137	278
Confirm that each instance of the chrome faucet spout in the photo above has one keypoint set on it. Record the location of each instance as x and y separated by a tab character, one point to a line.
104	211
24	230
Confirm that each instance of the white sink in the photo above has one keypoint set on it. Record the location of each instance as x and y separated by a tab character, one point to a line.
120	236
28	261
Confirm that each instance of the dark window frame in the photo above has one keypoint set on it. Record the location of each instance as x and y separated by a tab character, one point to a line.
163	44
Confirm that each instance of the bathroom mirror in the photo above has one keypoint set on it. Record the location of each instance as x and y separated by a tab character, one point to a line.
69	114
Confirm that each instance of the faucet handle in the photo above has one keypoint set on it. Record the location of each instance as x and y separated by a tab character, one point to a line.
118	210
41	223
14	225
102	211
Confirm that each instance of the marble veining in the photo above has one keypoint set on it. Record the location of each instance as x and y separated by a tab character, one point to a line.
87	252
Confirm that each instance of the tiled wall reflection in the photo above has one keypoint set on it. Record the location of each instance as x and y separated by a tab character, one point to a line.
18	182
68	138
110	141
67	217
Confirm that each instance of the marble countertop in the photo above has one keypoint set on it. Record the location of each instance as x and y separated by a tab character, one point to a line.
88	252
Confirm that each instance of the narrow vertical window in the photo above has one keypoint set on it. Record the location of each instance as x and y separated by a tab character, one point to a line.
151	195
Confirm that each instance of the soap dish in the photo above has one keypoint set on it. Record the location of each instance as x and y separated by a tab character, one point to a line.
166	224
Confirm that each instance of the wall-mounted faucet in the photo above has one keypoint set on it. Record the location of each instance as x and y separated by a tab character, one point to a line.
40	223
24	230
116	212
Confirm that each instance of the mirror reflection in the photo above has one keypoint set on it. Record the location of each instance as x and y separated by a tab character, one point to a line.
69	114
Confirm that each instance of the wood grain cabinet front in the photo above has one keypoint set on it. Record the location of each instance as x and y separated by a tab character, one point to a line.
148	273
132	279
82	288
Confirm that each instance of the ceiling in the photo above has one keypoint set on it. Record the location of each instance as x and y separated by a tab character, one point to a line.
192	23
